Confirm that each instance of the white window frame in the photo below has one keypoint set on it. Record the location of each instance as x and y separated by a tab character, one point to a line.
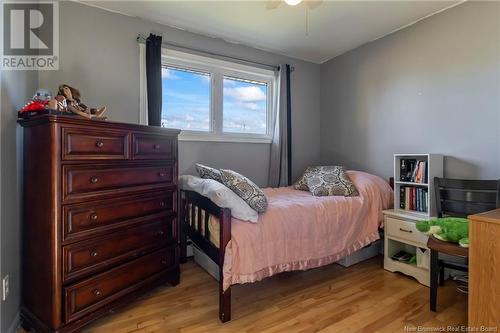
218	69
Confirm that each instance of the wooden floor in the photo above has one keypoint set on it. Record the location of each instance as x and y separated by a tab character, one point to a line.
362	298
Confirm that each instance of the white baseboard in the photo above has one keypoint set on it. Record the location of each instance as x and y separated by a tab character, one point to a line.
189	248
189	251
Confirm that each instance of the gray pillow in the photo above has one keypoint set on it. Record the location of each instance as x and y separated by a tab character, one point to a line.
208	172
330	180
245	189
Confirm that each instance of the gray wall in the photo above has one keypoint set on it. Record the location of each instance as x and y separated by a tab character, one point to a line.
16	86
433	87
99	55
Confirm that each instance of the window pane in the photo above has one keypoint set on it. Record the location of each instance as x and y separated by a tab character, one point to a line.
186	99
245	106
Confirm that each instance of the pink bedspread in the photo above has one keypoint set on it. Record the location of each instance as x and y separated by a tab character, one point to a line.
300	231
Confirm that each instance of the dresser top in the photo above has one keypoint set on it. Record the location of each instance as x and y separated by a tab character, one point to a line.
492	216
76	120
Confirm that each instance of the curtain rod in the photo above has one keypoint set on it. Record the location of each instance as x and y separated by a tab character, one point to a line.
141	39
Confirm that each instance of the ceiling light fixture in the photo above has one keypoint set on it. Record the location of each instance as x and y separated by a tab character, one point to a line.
293	2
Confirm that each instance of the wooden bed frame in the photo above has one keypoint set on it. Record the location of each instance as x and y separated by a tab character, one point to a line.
202	241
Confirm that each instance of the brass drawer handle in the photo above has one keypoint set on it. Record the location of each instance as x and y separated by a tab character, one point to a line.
404	230
156	146
93	180
162	174
160	233
164	262
94	253
93	217
96	292
99	144
162	204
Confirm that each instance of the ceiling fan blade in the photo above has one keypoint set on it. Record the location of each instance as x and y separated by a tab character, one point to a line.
311	4
273	4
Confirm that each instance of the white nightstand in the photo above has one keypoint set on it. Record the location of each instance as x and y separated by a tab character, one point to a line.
401	235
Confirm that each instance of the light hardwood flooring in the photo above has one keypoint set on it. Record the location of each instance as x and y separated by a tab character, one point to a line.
362	298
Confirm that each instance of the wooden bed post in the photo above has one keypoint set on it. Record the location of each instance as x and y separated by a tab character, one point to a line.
225	236
182	228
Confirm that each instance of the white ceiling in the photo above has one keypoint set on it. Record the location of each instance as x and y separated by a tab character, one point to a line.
334	27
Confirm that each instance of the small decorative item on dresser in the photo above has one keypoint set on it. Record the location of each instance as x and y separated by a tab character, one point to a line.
100	219
66	102
37	104
68	99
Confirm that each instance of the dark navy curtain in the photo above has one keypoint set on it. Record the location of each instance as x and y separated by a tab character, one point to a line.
153	77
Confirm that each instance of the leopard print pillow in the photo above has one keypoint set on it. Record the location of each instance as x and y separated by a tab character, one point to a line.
208	172
245	189
301	184
330	180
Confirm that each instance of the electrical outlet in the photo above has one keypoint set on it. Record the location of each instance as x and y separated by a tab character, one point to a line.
5	287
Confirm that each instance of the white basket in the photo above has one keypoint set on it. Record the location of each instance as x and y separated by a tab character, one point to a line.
423	257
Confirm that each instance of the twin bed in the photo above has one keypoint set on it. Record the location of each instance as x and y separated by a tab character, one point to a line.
297	232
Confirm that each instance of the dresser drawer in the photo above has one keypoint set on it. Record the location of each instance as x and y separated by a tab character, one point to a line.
92	293
404	230
87	143
148	146
96	254
88	219
88	181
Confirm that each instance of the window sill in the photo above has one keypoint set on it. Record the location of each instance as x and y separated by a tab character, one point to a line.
223	138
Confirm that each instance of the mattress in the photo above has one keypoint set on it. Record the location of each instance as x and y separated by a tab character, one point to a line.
213	224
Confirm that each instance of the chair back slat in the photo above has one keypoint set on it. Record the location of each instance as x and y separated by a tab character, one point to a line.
463	197
464	209
469	184
469	196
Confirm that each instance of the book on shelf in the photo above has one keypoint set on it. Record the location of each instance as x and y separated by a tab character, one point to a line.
412	170
413	198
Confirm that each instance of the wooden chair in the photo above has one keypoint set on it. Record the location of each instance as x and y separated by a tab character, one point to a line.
458	198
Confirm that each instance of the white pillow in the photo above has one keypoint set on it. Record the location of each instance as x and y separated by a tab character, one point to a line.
221	195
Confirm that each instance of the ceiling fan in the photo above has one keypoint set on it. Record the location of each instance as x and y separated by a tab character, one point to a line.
311	4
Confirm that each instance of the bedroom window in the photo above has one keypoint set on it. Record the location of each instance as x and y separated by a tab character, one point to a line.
216	100
244	106
186	99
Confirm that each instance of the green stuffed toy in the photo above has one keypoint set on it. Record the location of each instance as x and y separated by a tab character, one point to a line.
447	229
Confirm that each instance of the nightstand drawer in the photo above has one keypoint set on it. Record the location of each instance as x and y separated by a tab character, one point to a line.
404	230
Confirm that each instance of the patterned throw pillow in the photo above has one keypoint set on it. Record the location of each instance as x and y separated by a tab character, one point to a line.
208	172
245	189
301	184
330	180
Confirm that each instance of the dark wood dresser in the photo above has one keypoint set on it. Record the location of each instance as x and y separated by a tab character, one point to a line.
100	217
